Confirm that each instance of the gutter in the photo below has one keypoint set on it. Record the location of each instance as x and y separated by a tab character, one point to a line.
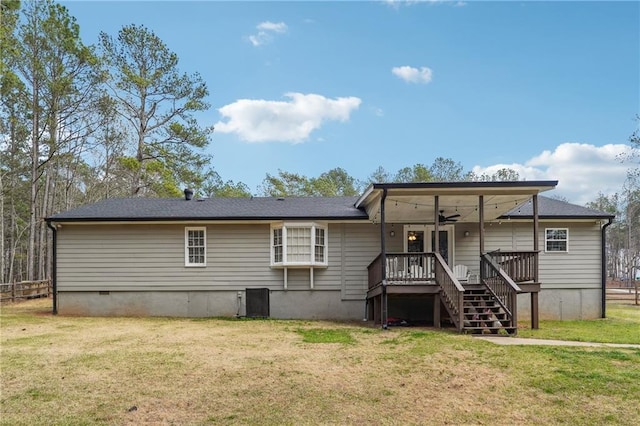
383	298
54	268
603	268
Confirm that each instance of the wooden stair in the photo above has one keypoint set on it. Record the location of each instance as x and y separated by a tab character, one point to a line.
484	315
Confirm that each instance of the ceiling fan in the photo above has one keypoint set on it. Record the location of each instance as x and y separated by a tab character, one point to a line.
444	219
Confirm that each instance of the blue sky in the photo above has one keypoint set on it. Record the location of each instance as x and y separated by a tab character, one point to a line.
548	88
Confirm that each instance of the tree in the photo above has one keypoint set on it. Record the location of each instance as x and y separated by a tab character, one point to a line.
13	116
216	187
380	175
157	103
285	184
446	170
504	174
56	71
634	154
335	182
417	173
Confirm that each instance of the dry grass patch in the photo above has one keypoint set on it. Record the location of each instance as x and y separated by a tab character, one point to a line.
63	370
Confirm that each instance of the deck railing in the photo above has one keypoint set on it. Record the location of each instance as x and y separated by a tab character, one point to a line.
403	268
521	266
504	289
452	294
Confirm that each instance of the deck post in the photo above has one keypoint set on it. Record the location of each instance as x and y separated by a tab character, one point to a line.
436	310
436	224
536	247
383	251
481	222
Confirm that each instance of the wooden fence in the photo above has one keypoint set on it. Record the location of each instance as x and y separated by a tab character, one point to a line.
25	290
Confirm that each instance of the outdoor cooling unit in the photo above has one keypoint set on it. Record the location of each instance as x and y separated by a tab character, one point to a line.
257	300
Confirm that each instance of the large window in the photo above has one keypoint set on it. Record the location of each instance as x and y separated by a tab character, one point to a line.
195	246
556	240
298	244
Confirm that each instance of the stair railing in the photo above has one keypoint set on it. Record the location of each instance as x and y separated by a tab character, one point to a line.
503	288
452	293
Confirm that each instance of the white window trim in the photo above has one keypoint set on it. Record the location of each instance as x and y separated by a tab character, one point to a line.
566	240
312	229
186	246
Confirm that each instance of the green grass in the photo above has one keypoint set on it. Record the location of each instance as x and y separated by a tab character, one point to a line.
622	325
326	336
73	370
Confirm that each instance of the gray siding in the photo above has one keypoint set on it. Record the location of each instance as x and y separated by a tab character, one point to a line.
151	258
361	246
578	268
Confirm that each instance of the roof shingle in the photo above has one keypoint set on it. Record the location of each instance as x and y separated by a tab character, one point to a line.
255	208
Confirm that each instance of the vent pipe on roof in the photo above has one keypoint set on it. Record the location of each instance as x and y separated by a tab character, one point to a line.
188	194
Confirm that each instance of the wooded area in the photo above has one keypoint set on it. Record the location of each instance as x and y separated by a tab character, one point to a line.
80	123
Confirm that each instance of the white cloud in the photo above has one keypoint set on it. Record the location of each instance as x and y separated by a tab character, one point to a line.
413	75
258	120
265	33
279	27
397	3
582	170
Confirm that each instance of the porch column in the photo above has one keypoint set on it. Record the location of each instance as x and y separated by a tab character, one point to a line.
383	251
481	222
436	225
536	247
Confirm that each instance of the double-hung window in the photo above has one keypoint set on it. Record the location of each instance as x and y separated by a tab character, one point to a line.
195	246
298	244
556	240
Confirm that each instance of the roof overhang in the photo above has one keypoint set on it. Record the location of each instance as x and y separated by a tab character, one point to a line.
415	202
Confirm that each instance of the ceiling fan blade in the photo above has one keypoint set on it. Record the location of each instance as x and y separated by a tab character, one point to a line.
453	216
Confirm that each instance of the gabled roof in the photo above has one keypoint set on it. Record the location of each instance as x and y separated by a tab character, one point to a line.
255	208
550	208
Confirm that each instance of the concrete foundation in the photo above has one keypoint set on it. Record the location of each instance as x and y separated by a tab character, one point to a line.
563	304
298	304
555	304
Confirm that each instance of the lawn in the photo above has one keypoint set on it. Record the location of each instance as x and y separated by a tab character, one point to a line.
76	370
622	325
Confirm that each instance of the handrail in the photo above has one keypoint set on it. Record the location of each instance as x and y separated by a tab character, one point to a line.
375	271
452	291
503	288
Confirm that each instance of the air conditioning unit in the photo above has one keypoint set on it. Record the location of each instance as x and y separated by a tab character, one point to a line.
257	300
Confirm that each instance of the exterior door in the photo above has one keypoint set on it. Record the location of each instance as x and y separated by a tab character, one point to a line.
421	238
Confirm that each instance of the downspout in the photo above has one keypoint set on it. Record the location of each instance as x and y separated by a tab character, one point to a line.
603	268
383	301
54	267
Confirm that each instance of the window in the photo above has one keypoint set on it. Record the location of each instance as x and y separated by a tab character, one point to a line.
195	246
320	245
556	240
277	245
298	244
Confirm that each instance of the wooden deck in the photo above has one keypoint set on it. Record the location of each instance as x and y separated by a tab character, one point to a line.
489	305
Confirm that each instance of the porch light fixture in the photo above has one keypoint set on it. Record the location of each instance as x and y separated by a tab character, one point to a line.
467	233
392	233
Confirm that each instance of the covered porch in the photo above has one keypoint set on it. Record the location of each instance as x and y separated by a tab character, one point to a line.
462	276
